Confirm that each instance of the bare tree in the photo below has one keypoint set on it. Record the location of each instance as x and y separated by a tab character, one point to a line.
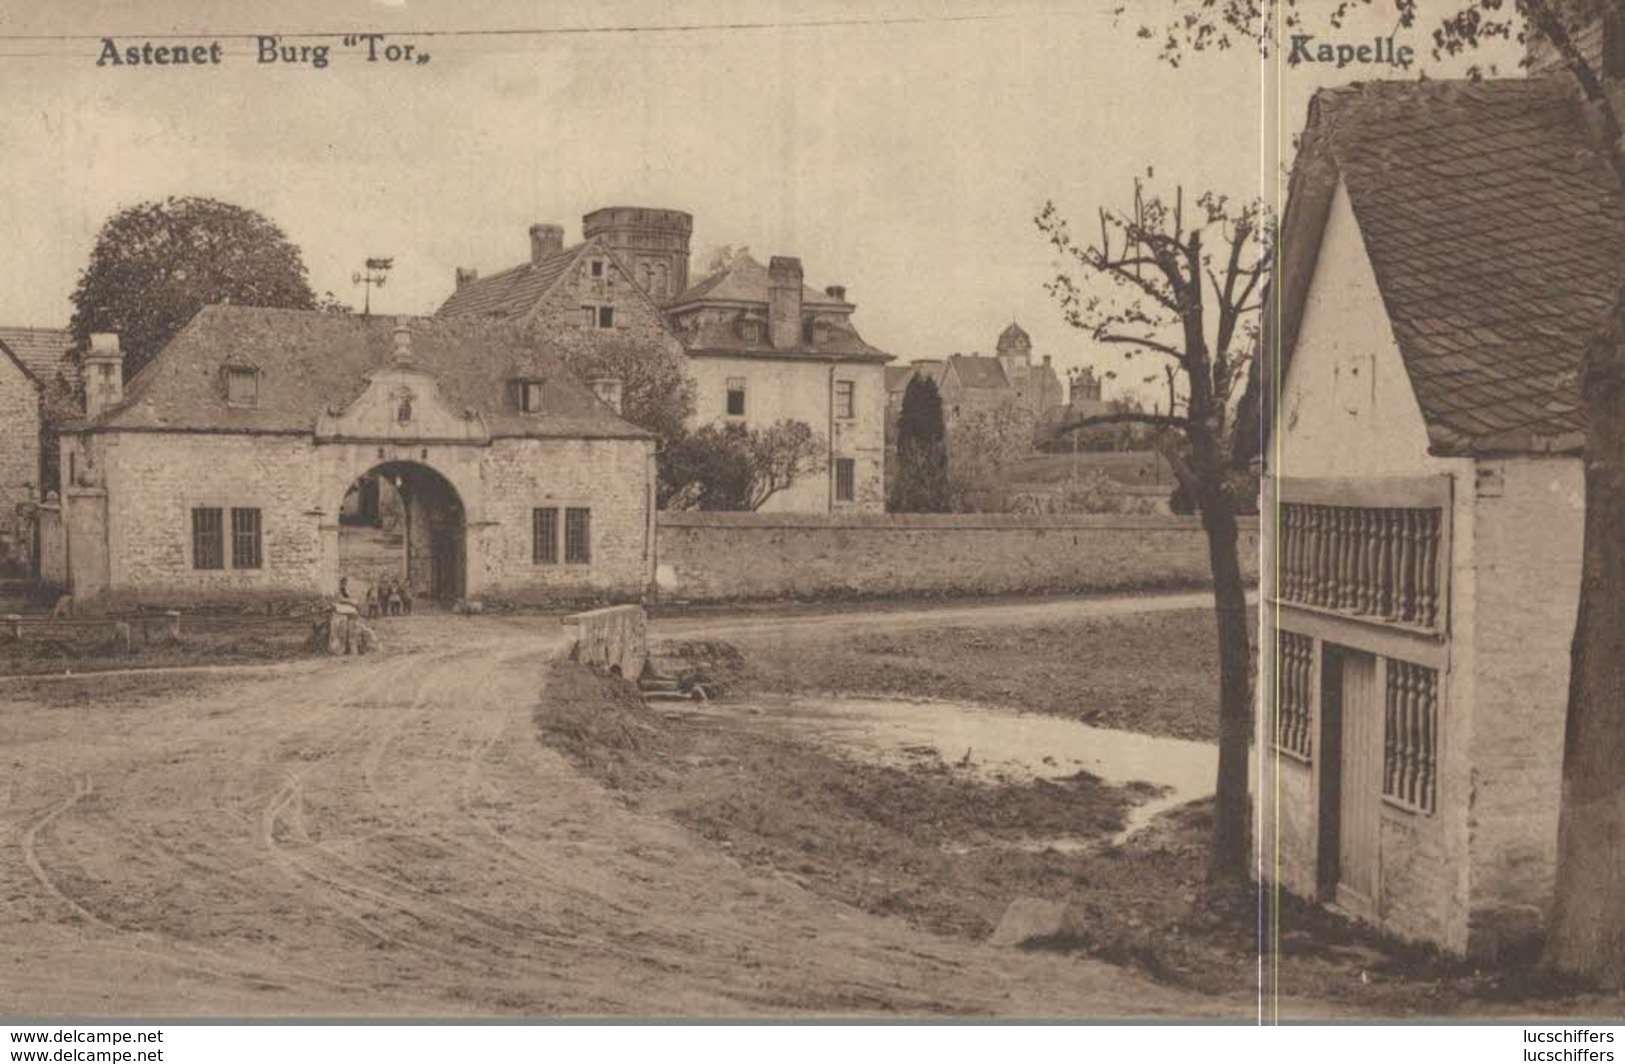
1586	934
1153	285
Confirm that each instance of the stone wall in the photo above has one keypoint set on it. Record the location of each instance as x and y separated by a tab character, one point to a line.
19	465
712	556
153	480
613	640
613	478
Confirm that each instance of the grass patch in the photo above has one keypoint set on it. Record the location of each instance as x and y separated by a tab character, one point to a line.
1151	672
922	841
203	641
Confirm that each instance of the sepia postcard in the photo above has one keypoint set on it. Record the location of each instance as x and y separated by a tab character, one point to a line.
811	511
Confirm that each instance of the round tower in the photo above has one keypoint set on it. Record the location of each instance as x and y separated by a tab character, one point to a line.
651	242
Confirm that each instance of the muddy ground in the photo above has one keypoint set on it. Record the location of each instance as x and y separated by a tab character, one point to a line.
389	836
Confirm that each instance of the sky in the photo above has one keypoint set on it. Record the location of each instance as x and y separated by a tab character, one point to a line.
899	148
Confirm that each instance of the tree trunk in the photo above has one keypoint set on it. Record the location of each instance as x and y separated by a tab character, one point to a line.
1587	931
1232	810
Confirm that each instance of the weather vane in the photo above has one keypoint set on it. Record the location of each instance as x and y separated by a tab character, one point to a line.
374	276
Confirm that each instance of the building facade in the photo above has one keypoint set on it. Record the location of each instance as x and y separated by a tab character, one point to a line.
760	345
1430	493
37	390
222	473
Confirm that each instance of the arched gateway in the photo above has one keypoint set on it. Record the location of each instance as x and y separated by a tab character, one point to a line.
403	524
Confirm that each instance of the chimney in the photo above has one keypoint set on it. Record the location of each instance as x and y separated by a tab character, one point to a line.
104	374
784	301
545	240
836	292
466	276
608	390
403	341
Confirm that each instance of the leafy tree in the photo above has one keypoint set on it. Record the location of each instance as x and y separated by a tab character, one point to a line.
730	467
1154	285
156	264
982	444
656	392
1586	934
922	451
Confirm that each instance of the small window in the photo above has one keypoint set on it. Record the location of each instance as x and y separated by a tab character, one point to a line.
544	534
751	331
208	538
846	471
242	387
530	397
736	397
597	268
844	392
246	543
577	536
606	317
807	330
662	286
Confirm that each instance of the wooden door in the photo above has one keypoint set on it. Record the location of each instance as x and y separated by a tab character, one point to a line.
1360	789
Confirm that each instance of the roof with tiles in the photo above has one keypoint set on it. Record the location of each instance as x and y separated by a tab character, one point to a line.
744	280
513	292
43	352
977	371
1494	231
310	362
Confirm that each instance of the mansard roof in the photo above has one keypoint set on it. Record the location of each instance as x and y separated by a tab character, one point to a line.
744	280
1495	233
311	362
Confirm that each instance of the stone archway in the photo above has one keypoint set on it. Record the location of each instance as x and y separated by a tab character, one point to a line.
402	521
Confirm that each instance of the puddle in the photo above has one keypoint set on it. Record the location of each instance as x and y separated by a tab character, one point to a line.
1001	744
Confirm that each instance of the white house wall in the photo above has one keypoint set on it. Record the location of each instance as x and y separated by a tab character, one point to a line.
1348	411
785	389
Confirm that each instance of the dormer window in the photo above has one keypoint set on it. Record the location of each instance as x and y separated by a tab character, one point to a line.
528	395
596	268
751	331
242	386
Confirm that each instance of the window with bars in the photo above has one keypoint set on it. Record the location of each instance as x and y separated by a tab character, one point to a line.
736	397
544	535
208	538
577	536
846	472
1410	756
1385	563
1293	673
246	538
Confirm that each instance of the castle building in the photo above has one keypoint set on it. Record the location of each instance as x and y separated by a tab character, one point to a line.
761	346
222	472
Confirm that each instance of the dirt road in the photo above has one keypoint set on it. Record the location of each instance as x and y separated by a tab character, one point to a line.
386	836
